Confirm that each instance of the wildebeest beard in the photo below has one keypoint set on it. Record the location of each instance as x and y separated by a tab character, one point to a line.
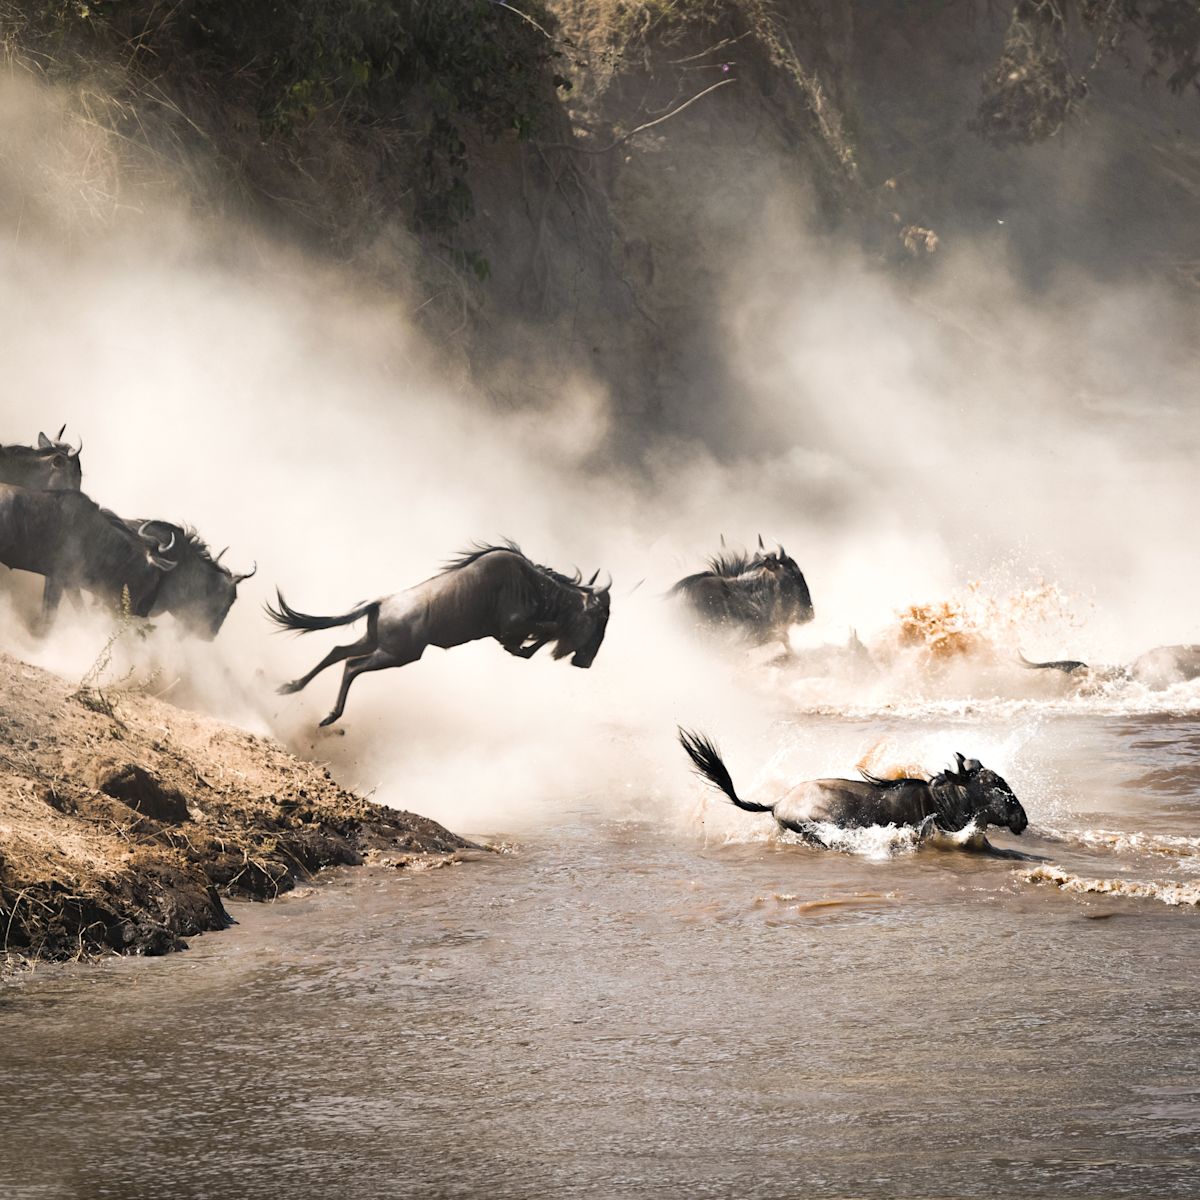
579	614
584	633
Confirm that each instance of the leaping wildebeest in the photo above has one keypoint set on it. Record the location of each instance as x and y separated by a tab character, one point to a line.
951	800
760	595
489	592
48	466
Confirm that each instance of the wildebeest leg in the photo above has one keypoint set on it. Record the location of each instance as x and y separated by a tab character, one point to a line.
358	649
51	595
520	650
377	660
986	848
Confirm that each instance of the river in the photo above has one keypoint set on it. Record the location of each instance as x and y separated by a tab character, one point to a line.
649	1005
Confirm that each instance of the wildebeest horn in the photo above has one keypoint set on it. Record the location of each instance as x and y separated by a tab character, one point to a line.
78	449
163	564
760	542
220	556
961	762
722	541
595	576
607	587
149	537
58	435
239	578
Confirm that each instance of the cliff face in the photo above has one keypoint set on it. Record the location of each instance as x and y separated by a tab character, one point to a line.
703	130
570	188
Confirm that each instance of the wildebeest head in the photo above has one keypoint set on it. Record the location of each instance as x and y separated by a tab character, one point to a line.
585	631
51	466
993	801
199	592
795	607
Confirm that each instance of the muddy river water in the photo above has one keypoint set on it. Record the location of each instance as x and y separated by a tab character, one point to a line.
628	1005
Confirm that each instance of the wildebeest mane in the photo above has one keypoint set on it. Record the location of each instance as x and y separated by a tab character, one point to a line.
479	549
947	789
186	537
32	451
891	784
729	564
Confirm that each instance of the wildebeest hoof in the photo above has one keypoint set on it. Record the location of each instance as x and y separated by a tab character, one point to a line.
329	720
286	689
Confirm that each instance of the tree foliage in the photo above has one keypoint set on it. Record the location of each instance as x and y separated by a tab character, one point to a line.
432	72
1051	46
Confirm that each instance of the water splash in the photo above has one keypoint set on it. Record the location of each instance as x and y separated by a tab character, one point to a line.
1165	891
1114	841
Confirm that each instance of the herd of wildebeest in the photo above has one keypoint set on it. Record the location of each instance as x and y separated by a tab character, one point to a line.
150	566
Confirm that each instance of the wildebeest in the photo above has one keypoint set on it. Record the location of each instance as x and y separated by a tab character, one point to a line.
67	537
951	800
1166	665
199	591
1068	666
1157	669
76	544
760	596
489	592
50	465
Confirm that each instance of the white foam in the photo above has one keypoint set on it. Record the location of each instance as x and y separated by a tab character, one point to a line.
1165	891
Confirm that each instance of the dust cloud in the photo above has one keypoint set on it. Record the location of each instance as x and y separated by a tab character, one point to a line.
910	437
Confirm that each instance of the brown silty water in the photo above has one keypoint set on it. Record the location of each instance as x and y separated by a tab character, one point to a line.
653	995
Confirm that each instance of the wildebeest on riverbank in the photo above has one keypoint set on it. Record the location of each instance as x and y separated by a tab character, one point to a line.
951	800
68	538
490	592
199	591
51	465
760	596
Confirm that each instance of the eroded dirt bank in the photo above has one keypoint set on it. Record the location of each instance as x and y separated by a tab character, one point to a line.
124	820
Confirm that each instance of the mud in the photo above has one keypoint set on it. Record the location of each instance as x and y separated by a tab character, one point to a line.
125	820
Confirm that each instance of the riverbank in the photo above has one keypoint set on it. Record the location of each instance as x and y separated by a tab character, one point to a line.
125	820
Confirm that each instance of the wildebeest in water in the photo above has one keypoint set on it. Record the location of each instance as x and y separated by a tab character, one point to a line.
1157	669
51	465
490	592
951	800
760	596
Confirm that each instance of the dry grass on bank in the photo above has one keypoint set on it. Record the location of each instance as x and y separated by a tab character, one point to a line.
121	832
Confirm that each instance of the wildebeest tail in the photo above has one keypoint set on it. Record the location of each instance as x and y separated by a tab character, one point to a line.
1067	665
287	617
706	758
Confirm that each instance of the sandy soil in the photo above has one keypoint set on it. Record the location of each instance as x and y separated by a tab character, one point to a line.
124	820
